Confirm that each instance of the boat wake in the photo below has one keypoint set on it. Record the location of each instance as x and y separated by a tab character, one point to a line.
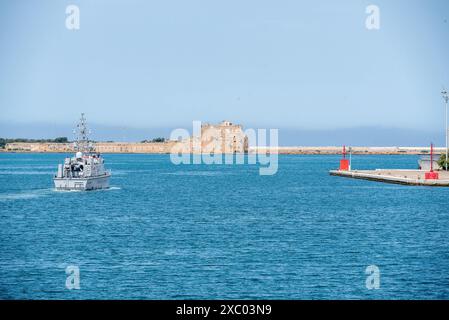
89	191
32	172
26	195
65	191
114	188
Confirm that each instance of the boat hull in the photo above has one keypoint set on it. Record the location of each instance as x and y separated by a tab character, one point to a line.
82	184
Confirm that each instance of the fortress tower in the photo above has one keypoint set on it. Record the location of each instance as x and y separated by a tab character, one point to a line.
225	137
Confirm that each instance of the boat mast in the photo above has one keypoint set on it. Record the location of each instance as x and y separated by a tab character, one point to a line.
82	142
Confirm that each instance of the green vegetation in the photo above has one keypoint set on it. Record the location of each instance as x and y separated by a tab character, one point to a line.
442	161
61	140
4	141
155	140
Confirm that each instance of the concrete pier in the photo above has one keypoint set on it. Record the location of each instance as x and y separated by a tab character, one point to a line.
405	177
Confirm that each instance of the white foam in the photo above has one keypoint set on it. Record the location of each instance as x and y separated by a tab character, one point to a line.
26	172
25	167
25	195
57	190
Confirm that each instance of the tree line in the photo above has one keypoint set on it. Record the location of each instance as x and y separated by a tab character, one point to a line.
160	140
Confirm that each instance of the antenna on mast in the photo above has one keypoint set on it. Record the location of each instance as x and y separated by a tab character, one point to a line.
445	95
82	142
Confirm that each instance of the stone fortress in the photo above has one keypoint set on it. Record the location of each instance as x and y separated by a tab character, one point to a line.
224	137
221	138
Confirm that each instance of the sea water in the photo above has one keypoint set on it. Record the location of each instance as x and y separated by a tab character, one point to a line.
165	231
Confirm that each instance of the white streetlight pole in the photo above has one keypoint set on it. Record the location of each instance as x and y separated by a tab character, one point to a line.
446	99
350	158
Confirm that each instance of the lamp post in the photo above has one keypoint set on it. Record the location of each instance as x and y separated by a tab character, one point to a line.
446	99
350	158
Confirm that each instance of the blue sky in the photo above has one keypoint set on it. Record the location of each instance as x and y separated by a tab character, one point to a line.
146	67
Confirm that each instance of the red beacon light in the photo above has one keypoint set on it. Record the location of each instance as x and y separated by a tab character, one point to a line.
431	175
344	163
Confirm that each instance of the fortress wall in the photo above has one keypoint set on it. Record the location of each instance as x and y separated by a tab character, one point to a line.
147	147
39	147
102	147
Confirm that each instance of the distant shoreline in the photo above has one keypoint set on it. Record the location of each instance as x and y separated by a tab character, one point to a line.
165	147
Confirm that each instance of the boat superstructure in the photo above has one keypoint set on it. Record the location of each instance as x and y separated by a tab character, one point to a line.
84	171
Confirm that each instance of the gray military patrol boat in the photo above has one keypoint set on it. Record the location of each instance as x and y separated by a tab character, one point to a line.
84	171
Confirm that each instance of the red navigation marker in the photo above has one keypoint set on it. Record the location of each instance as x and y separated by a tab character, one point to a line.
344	163
431	175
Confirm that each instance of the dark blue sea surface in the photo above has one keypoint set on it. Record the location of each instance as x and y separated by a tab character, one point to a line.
165	231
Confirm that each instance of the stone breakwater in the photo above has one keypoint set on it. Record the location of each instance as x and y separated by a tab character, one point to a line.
166	147
405	177
355	150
